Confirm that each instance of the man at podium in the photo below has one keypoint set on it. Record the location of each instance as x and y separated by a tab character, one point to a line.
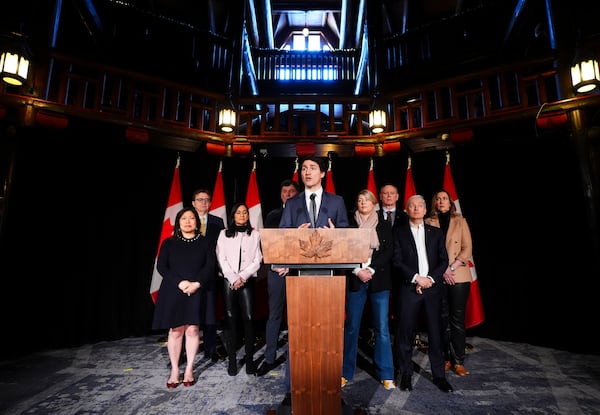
312	208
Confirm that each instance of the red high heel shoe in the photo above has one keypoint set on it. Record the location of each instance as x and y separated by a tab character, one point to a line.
172	385
189	382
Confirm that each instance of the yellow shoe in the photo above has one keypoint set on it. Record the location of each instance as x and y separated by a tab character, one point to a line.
344	381
388	384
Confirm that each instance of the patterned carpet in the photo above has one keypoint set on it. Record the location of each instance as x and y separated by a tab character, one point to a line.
128	377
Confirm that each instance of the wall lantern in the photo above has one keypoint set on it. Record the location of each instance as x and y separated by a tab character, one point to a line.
14	59
227	120
377	121
585	76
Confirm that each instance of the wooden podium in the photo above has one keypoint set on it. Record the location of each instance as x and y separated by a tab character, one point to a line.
315	308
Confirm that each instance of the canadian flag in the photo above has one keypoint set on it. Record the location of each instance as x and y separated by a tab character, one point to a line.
174	205
329	187
474	313
295	174
217	206
371	185
409	186
253	201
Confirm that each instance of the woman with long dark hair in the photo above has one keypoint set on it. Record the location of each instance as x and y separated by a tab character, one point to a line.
240	257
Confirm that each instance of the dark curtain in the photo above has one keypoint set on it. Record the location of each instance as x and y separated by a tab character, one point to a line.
86	208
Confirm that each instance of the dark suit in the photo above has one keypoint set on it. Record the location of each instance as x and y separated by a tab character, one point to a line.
296	213
410	303
400	217
214	225
332	207
276	294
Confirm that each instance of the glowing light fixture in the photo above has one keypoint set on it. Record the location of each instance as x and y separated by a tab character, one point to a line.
585	76
14	59
227	116
377	121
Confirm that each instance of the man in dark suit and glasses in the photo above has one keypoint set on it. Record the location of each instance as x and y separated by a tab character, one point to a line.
330	213
421	258
210	227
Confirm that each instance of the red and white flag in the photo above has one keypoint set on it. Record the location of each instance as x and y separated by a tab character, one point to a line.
217	206
174	205
295	174
253	201
371	185
474	313
409	186
329	187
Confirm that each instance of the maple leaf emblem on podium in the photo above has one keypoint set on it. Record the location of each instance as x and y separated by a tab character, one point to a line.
315	247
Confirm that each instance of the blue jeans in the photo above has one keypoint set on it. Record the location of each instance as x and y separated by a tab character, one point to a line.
355	304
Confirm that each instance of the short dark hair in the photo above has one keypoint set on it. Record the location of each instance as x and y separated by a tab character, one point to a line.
289	182
323	162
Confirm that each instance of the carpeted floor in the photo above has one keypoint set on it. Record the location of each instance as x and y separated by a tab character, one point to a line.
128	377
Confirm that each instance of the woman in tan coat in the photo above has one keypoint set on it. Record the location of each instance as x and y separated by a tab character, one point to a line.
457	278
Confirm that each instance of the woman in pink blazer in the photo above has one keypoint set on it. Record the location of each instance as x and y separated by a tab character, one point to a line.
239	255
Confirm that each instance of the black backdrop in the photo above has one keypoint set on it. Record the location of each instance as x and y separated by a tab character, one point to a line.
85	210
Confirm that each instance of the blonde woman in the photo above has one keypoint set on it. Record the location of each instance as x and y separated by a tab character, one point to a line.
373	281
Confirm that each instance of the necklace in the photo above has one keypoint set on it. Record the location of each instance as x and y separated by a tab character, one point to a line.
195	238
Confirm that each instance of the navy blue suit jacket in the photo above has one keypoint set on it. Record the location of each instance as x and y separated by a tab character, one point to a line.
332	207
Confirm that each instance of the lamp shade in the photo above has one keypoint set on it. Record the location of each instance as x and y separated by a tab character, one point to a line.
585	76
227	120
377	121
14	60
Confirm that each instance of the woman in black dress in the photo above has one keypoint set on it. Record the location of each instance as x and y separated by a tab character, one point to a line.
185	265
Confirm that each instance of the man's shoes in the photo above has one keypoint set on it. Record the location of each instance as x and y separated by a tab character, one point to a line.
344	381
460	370
232	367
213	357
265	368
447	365
405	383
442	384
287	401
387	384
250	367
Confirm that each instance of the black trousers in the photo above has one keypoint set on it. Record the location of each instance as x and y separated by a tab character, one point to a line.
239	306
454	305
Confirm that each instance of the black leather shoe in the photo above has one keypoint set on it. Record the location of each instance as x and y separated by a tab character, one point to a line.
406	383
265	368
442	384
232	367
250	367
287	401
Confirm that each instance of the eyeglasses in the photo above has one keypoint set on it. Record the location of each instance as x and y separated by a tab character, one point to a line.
203	200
